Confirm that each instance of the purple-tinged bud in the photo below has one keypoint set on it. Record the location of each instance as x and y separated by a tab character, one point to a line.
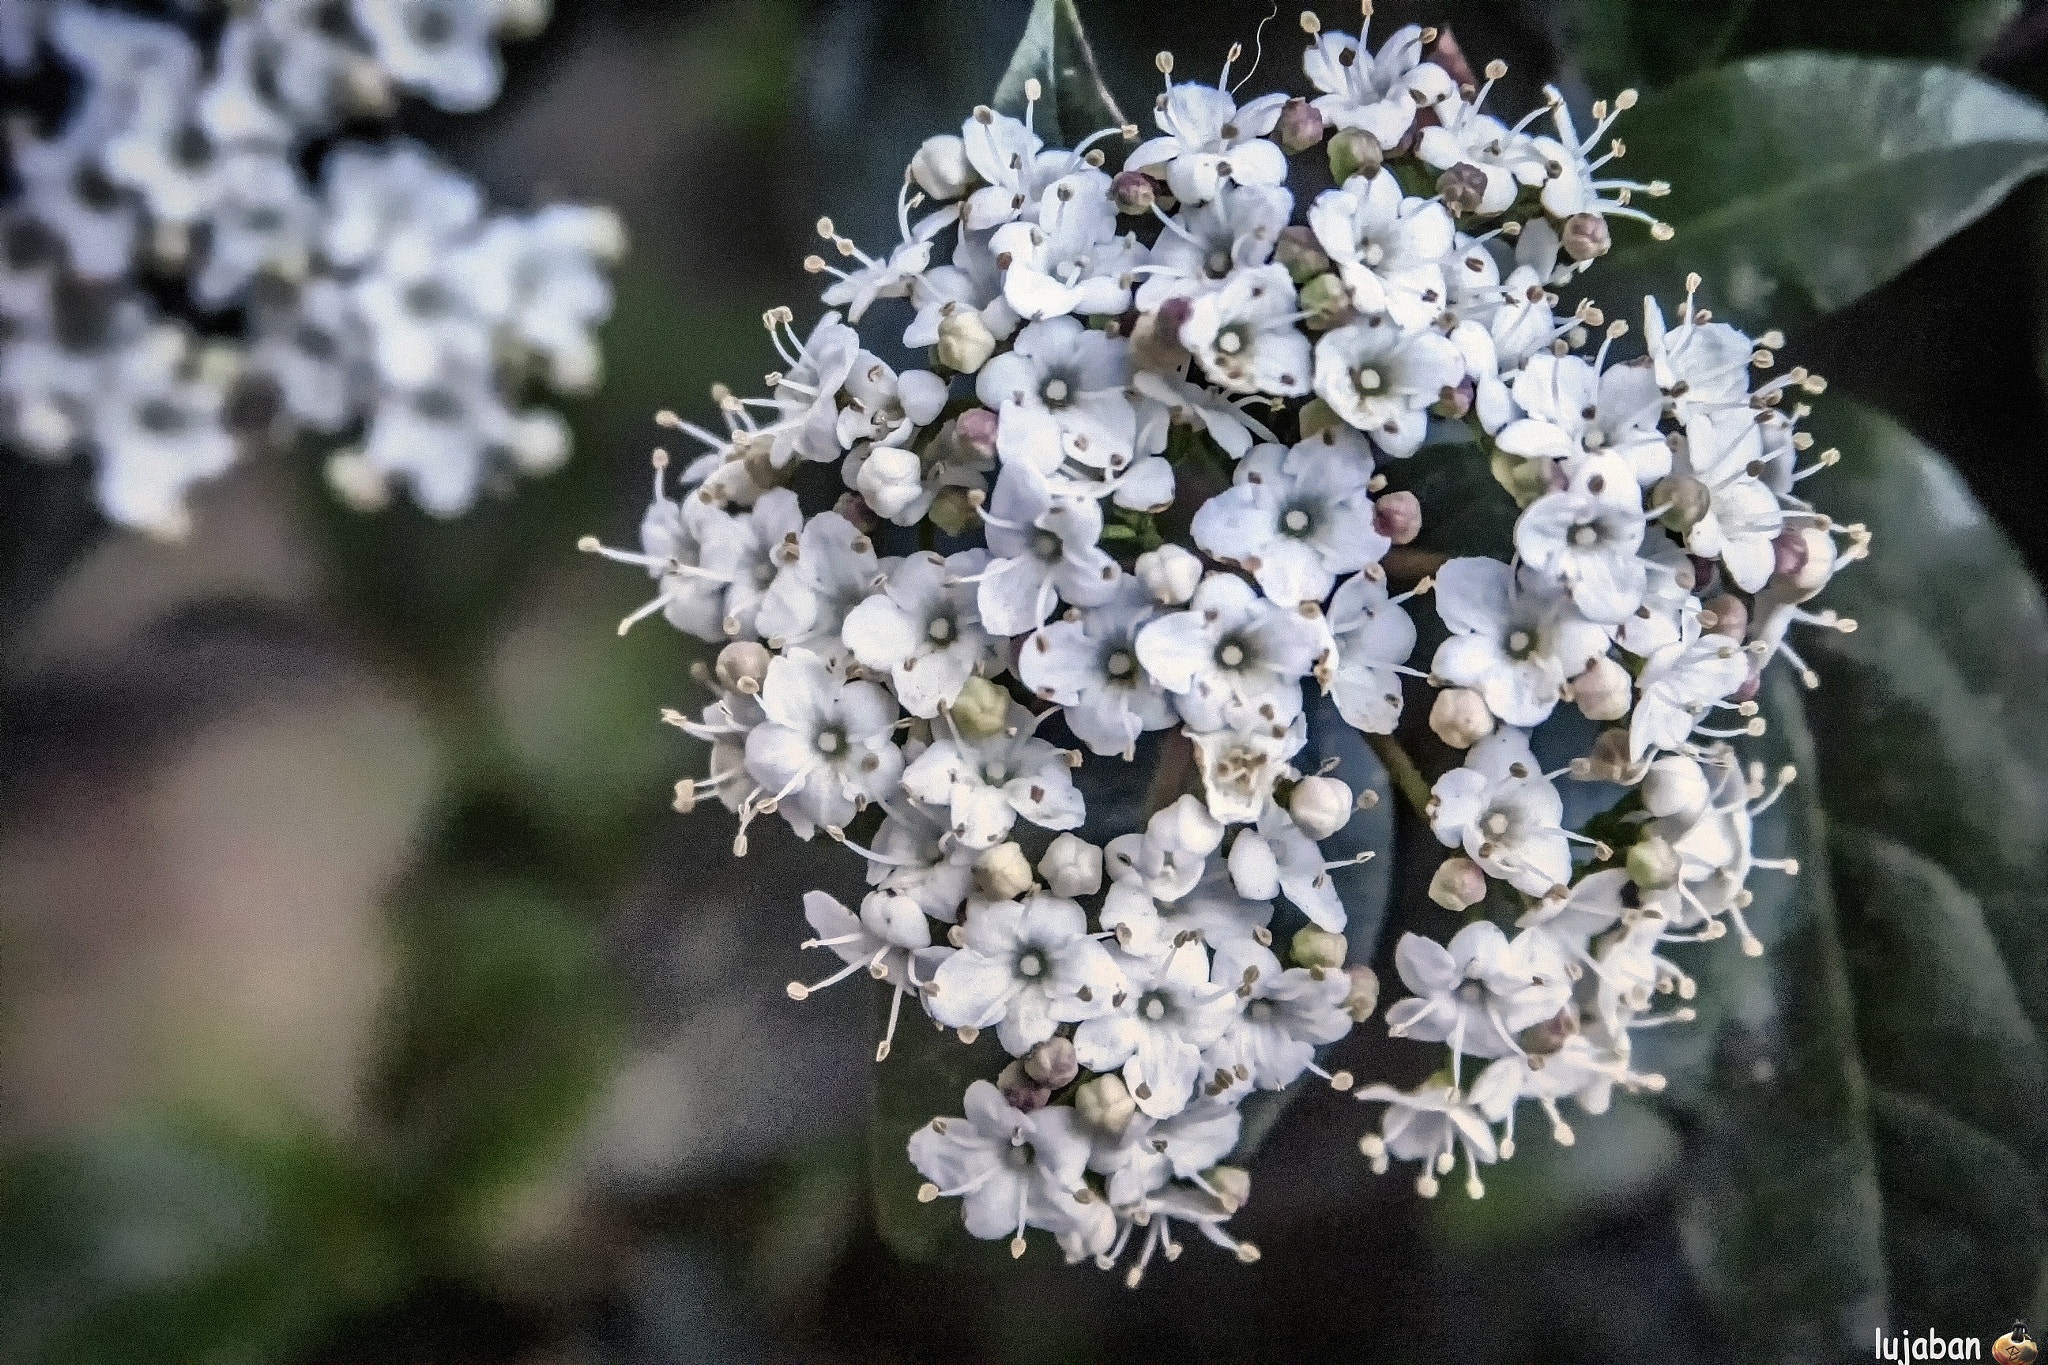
742	667
1457	884
1052	1062
1540	1040
1751	685
1025	1094
1788	553
1462	188
1731	617
1585	237
1135	193
1609	761
976	429
1301	253
1301	126
1398	516
855	509
1455	401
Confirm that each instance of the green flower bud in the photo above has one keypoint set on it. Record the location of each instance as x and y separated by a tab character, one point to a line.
1315	947
981	709
1355	152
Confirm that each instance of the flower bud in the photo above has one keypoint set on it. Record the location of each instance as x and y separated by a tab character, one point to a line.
1232	1185
1170	573
953	512
1320	806
940	167
742	666
1002	873
890	479
1397	516
1685	500
1653	864
1134	192
1527	480
1318	417
1155	337
981	709
1301	126
1353	151
1604	690
1254	871
1788	552
1459	717
1105	1104
1818	565
856	510
1024	1092
976	429
1186	827
1462	188
1052	1062
1072	867
1609	761
1365	993
964	341
1315	947
1676	785
1540	1040
1731	617
1327	303
1457	884
1585	237
1301	253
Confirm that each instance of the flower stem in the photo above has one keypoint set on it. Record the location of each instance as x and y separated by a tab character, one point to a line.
1408	779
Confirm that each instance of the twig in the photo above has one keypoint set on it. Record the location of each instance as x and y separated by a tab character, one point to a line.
1408	778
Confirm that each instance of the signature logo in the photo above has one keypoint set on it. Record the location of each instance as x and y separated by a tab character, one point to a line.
2016	1347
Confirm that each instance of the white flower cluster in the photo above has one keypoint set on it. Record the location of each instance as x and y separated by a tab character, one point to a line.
383	295
1108	541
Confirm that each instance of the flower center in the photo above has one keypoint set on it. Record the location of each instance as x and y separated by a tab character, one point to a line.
1373	254
1219	263
1155	1009
1261	1011
1369	381
1496	824
995	774
1046	545
1031	964
1519	642
1232	340
1231	655
940	630
1472	993
831	741
1120	664
1296	520
1056	390
1587	535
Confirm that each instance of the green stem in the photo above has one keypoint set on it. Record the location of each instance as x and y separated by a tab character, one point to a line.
1408	779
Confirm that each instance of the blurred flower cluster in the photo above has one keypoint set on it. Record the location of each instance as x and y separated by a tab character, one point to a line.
175	286
1140	487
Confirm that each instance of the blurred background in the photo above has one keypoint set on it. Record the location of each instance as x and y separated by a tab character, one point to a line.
362	1000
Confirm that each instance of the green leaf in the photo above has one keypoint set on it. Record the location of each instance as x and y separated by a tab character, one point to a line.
1652	43
1866	1106
1803	181
1073	101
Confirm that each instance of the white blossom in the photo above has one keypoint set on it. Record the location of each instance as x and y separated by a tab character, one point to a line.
1025	968
986	783
1297	518
1382	380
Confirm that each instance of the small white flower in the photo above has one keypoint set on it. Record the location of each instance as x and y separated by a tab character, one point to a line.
1013	1170
1430	1124
806	400
1013	164
1058	395
375	197
1585	537
892	277
444	49
827	746
747	551
157	432
1207	244
1511	825
1170	856
1044	548
1699	365
923	629
1382	380
1724	449
1206	138
886	407
1374	636
1286	1016
539	278
1388	248
1153	1152
1507	158
1245	334
1168	398
1297	518
884	938
1166	1015
1239	766
832	571
261	219
1678	685
315	348
1575	409
987	783
1148	924
1026	968
1481	990
1233	657
1512	640
1377	92
973	283
446	437
1276	858
1070	260
1088	664
915	855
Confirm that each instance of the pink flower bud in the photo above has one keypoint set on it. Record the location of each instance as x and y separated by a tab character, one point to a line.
1457	884
1135	193
1301	126
977	429
1398	517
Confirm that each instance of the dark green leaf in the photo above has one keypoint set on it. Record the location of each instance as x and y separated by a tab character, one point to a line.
1801	182
1073	101
1866	1107
1652	43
